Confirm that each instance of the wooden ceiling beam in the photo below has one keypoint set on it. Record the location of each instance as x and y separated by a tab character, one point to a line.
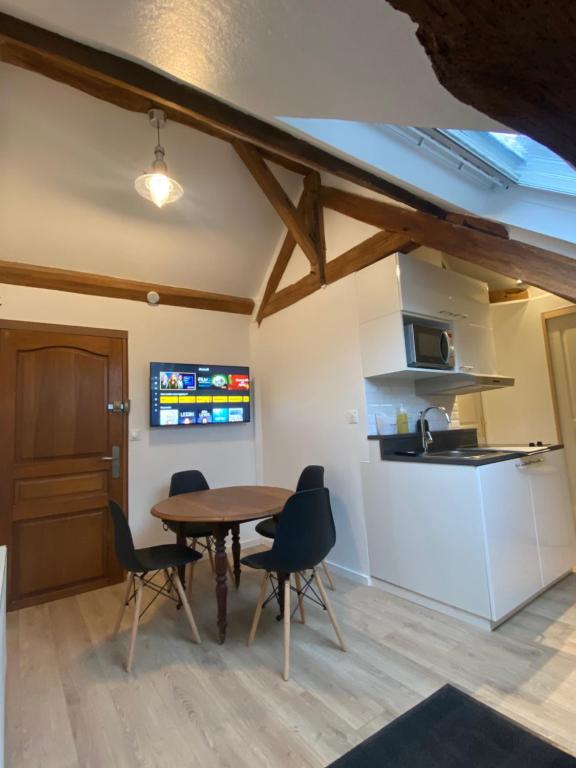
138	88
284	255
500	295
291	294
279	200
545	269
484	225
17	273
514	61
368	252
314	218
377	247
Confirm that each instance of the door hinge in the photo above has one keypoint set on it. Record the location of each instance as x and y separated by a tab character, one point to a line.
118	406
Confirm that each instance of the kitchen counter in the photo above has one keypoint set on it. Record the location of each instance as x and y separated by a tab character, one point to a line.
452	447
474	538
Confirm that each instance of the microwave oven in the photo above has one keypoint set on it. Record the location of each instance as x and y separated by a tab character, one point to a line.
429	346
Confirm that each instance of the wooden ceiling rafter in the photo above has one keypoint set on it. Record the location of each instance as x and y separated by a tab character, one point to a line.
513	61
135	87
138	88
544	269
282	260
52	278
278	198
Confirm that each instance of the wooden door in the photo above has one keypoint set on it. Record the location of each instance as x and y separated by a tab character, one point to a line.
561	341
55	472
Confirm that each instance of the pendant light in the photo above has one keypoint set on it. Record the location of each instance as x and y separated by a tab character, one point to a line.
156	185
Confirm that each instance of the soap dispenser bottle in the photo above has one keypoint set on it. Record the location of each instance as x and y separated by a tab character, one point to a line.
401	420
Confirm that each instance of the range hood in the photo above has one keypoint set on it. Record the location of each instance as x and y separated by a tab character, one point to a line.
461	383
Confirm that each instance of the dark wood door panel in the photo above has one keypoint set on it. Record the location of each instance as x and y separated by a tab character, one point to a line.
56	429
51	487
59	395
51	553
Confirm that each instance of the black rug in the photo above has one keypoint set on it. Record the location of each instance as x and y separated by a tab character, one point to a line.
452	730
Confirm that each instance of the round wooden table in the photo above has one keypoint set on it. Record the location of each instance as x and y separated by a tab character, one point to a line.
224	509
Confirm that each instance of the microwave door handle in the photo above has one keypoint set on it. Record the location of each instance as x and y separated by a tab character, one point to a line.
445	346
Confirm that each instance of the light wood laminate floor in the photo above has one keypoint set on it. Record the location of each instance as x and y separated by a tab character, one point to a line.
70	703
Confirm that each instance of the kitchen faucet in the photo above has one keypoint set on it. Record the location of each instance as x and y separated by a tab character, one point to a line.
427	438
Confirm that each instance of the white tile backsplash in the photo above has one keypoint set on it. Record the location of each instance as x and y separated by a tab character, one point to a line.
385	396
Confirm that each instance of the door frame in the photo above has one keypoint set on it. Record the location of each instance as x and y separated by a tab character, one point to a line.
23	325
546	316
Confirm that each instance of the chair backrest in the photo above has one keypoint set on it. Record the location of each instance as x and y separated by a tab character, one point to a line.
187	482
305	532
125	551
311	477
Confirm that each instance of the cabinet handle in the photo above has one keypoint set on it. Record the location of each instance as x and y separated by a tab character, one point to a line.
524	464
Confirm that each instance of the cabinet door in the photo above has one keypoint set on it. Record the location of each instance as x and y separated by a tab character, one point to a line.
424	288
511	541
424	526
474	348
553	514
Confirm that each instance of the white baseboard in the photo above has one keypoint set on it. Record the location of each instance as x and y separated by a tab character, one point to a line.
348	573
253	541
435	605
339	570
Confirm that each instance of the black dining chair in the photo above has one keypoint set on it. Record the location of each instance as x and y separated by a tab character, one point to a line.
188	481
304	536
142	566
311	477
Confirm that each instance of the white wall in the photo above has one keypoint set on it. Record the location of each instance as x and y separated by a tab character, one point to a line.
308	375
226	454
523	413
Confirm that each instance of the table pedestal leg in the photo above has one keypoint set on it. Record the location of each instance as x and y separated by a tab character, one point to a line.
236	552
221	566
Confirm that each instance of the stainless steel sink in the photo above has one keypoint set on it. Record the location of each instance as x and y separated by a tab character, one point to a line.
468	452
463	453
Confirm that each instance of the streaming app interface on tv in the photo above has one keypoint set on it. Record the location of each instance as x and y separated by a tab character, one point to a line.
198	394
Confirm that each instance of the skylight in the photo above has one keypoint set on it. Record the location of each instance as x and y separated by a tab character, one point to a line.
517	158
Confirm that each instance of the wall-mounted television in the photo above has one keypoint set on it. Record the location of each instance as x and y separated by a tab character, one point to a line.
182	394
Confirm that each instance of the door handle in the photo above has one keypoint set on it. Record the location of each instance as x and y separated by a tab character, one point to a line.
115	460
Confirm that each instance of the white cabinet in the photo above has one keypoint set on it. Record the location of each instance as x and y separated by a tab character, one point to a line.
424	525
482	540
382	345
511	543
530	535
402	285
474	347
553	514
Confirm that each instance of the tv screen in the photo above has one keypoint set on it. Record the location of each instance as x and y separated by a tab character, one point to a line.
184	395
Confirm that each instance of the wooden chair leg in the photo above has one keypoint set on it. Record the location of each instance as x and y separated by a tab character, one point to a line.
210	555
190	578
298	580
324	597
258	611
129	582
135	621
287	612
186	605
328	576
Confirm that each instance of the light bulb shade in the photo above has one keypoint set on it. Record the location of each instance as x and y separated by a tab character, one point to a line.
158	188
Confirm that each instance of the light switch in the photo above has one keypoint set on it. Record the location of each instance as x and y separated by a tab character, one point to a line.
352	416
134	435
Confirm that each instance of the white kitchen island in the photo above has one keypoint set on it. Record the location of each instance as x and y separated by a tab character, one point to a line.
478	542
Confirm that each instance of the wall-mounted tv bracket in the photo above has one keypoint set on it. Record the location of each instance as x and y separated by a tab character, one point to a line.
118	406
